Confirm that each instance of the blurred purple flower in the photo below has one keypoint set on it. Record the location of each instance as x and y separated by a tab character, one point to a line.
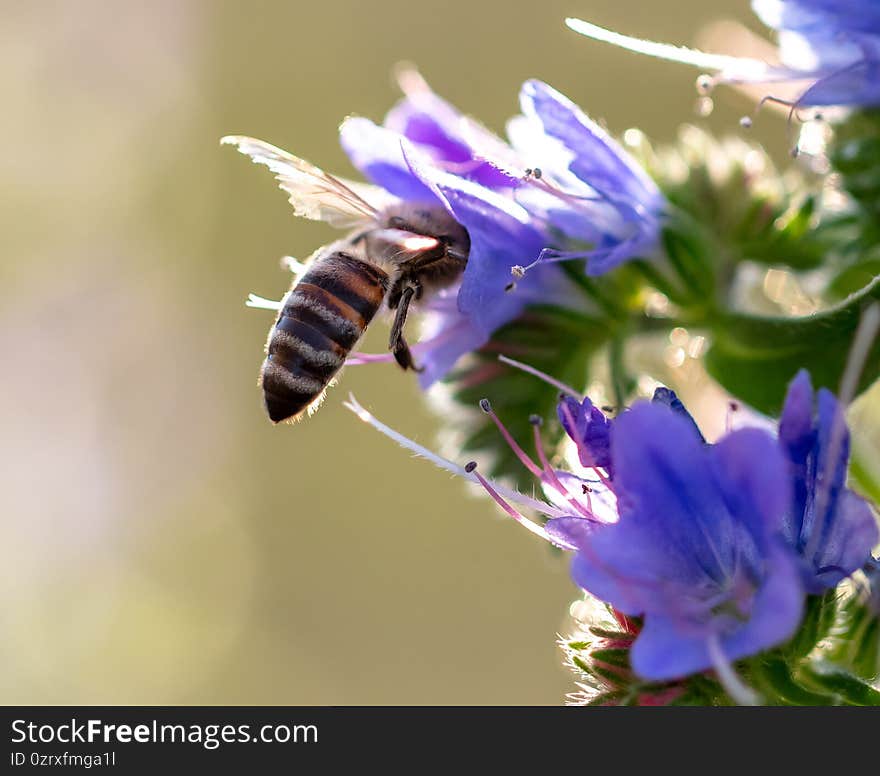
831	528
833	46
592	194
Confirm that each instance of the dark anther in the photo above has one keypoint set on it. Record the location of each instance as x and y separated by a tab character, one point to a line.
536	420
586	489
607	408
509	287
470	466
485	406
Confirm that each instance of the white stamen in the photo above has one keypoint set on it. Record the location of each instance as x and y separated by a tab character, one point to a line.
732	684
858	354
681	54
541	376
442	463
864	338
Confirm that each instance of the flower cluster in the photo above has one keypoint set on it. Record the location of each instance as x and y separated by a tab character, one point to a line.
831	46
713	546
560	189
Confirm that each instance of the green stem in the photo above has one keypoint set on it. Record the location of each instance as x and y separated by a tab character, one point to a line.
659	281
621	382
575	272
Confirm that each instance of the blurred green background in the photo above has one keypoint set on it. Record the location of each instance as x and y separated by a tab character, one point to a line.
163	543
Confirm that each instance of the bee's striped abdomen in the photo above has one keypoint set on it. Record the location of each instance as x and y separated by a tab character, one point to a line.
323	317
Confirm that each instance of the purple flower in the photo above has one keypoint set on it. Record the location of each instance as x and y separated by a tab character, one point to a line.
590	189
668	398
591	202
590	431
831	45
831	528
695	549
664	526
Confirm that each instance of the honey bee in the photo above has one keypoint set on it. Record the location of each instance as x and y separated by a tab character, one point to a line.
395	254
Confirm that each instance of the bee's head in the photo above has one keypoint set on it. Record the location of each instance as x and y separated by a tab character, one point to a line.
432	220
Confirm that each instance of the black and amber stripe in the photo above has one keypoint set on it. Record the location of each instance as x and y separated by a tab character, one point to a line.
323	317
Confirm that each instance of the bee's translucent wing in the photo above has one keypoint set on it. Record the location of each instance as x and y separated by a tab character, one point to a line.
375	195
313	193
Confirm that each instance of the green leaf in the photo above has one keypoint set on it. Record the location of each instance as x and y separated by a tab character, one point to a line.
613	698
865	660
745	208
755	357
818	620
854	278
857	647
619	658
855	155
614	635
792	241
846	688
772	676
690	254
699	690
864	476
598	672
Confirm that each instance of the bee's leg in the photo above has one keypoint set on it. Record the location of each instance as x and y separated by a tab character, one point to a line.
396	343
438	266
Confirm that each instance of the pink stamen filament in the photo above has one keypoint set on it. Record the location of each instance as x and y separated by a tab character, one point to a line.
518	451
357	358
519	517
603	478
550	474
517	498
576	200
